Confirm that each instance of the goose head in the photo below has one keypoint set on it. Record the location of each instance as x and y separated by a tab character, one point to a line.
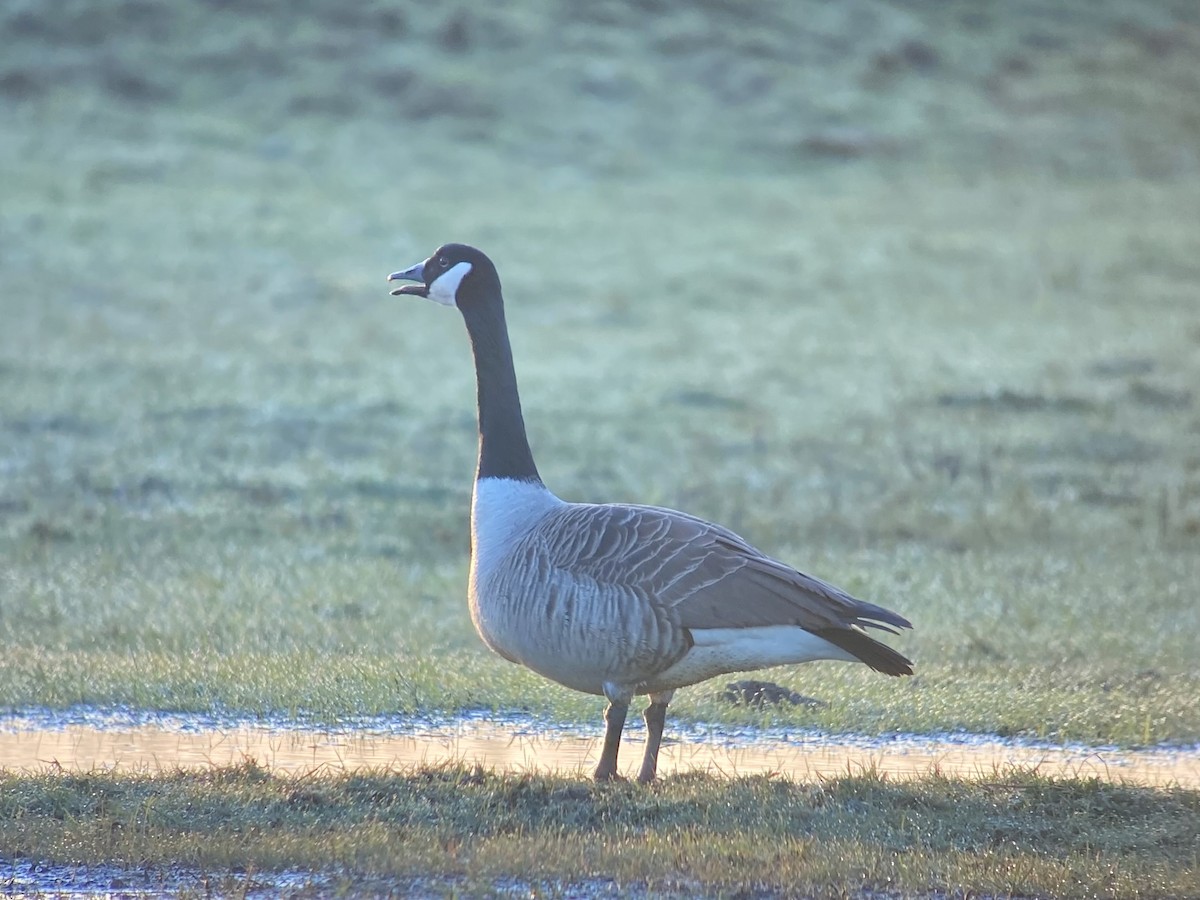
455	275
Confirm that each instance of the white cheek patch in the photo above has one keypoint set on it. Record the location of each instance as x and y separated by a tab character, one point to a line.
445	287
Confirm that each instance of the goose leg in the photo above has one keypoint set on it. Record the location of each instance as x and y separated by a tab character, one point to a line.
656	717
614	720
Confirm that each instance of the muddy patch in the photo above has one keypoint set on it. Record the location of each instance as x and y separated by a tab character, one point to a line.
22	878
1015	402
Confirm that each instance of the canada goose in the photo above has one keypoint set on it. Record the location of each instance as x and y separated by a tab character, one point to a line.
616	599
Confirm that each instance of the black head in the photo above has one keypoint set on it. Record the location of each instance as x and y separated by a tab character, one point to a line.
454	275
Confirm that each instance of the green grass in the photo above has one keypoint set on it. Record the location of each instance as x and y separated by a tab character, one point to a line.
949	362
1014	834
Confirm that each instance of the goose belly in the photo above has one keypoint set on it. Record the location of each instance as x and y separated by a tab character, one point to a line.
580	638
720	651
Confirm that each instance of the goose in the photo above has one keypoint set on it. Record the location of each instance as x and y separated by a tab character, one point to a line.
615	599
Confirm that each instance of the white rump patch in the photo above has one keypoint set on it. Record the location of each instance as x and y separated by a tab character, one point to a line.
444	289
720	651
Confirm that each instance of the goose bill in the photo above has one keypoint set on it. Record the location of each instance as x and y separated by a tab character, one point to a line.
413	273
416	290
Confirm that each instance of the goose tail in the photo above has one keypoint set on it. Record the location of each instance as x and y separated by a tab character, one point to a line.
877	655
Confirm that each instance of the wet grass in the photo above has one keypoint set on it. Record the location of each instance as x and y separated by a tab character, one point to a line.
1015	834
919	317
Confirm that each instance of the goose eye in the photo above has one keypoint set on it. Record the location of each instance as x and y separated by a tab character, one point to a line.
443	262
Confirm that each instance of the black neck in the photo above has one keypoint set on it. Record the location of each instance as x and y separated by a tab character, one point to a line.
503	447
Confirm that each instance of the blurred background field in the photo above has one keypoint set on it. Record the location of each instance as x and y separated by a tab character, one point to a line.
906	293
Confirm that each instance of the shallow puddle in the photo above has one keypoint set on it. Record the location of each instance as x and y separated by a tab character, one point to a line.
167	743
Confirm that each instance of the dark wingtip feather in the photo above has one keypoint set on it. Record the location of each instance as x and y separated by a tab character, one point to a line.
878	656
873	615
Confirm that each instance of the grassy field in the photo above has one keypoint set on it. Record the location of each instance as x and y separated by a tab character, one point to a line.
952	368
1018	835
906	294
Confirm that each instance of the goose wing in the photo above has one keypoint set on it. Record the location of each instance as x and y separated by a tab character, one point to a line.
695	574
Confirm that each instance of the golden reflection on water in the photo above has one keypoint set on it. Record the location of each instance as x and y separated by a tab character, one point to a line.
150	748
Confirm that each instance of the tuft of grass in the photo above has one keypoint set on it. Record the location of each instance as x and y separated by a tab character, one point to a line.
1015	834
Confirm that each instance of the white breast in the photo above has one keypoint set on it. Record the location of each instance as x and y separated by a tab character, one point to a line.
502	512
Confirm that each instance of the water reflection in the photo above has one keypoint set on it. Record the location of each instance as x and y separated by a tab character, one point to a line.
159	746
